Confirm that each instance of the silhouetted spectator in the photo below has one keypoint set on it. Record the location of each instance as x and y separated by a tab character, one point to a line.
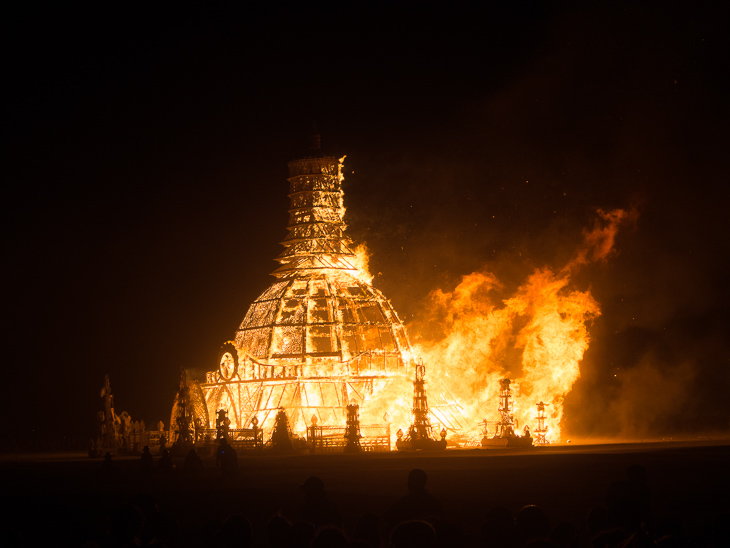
107	466
498	529
193	464
368	529
317	508
531	524
629	500
564	535
413	534
165	463
418	504
146	504
236	531
301	534
145	461
448	534
277	532
330	537
158	529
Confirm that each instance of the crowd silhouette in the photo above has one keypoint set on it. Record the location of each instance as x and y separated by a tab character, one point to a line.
417	519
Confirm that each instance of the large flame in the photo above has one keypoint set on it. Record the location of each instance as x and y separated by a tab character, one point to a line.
361	262
537	337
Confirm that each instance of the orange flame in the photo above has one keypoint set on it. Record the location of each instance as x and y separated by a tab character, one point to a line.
598	244
361	262
537	337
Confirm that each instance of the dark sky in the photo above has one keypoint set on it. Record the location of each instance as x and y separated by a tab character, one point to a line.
144	169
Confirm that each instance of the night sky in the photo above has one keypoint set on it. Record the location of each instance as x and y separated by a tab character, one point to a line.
144	169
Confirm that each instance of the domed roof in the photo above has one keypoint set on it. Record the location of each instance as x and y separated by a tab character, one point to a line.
326	319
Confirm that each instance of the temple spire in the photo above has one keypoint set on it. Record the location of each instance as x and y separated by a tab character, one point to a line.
316	241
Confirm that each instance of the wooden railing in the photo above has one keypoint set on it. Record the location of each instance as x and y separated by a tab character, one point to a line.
331	439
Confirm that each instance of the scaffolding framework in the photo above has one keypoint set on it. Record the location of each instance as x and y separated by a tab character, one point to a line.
504	434
541	430
507	420
420	433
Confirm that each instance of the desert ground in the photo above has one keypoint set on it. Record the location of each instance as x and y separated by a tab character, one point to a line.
60	499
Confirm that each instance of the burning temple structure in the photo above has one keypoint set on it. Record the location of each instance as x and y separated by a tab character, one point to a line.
320	337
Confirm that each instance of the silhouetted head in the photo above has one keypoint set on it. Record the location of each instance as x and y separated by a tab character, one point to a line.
329	537
108	456
563	534
532	523
498	528
237	531
413	534
146	449
277	531
301	533
192	452
368	528
417	479
312	486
